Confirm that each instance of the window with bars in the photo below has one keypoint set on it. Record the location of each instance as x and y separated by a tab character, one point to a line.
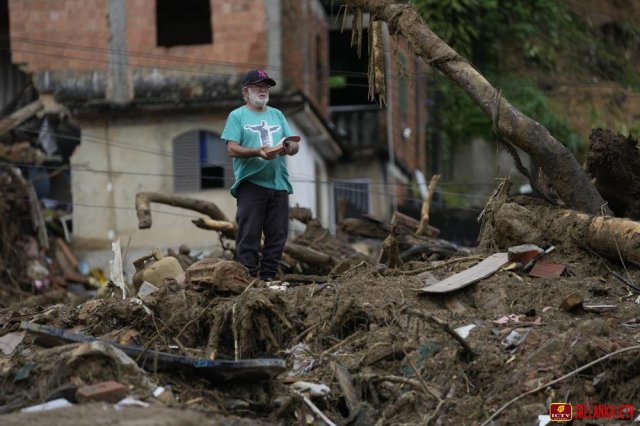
351	198
200	161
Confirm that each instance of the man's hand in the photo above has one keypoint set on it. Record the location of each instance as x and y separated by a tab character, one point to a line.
262	153
235	150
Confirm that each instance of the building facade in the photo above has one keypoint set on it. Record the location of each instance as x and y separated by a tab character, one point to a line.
150	83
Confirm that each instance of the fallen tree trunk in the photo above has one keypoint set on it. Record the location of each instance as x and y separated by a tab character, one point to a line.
563	170
309	255
525	220
227	229
144	200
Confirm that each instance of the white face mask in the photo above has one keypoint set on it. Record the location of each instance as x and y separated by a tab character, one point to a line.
257	98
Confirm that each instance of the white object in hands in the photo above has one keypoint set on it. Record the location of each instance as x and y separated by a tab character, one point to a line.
282	145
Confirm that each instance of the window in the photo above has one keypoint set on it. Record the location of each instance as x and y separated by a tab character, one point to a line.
183	22
351	199
200	161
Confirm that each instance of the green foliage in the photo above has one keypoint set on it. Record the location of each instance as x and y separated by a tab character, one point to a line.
337	81
480	29
462	119
544	34
457	22
529	39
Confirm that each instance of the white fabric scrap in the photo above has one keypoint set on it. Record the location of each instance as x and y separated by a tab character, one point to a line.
128	402
465	330
115	266
314	389
49	405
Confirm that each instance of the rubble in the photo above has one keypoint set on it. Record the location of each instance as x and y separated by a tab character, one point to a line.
343	339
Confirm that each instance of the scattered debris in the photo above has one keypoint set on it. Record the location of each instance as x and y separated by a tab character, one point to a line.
10	341
46	406
312	389
109	391
465	330
487	267
599	308
155	269
572	302
248	369
547	269
363	345
515	339
523	254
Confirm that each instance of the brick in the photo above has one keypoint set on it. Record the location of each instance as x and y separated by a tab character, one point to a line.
110	391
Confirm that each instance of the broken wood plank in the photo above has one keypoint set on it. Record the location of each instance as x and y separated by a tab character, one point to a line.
360	413
35	208
68	254
365	226
487	267
397	350
345	381
410	225
12	121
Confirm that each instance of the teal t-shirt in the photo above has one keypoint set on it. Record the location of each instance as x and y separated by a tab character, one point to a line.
253	129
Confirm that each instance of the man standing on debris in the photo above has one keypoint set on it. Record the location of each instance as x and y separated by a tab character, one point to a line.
262	184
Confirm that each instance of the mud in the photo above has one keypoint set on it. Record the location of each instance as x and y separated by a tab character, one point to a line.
408	370
613	161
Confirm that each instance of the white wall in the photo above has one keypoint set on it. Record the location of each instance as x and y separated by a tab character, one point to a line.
138	157
135	155
302	173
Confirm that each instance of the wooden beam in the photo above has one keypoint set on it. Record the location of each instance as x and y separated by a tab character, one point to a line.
18	117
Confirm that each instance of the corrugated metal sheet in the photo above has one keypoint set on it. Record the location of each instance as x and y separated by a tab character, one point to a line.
12	80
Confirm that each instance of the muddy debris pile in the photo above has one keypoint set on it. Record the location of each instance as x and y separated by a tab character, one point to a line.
613	162
489	336
37	267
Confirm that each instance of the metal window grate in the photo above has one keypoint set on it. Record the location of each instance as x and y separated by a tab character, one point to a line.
351	198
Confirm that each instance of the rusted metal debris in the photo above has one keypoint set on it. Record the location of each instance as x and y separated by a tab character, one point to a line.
247	369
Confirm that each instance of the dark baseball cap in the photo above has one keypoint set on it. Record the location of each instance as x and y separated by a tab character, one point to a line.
257	76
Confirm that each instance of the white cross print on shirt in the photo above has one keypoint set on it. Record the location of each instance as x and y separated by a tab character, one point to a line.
264	130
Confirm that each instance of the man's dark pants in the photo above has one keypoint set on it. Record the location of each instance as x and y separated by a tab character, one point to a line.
261	210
